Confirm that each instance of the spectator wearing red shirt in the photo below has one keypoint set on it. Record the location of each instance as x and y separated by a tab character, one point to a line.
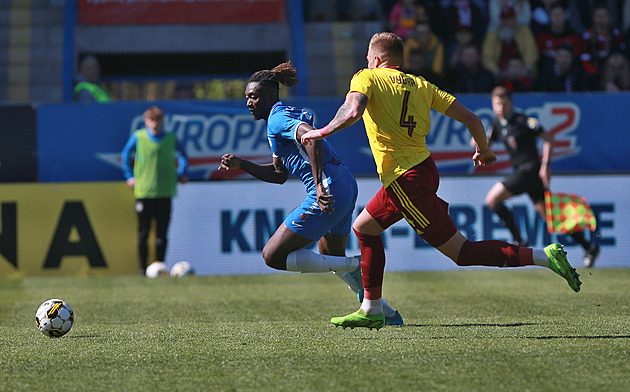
515	77
556	33
600	41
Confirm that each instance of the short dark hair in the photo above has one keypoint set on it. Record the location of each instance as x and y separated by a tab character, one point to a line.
501	92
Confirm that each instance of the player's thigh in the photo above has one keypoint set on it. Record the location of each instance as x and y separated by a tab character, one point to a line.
521	180
425	212
283	242
331	244
378	215
344	192
497	194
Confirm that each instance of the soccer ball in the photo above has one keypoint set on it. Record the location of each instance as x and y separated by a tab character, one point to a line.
157	268
182	268
54	318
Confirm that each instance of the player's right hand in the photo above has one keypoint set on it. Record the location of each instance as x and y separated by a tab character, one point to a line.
131	182
310	136
229	161
324	200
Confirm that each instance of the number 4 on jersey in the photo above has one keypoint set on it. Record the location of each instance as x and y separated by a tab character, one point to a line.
404	121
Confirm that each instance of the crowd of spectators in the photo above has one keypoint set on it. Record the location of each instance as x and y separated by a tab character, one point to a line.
471	46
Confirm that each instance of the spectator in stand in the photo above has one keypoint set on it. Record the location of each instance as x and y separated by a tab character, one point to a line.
88	86
509	40
404	17
540	14
600	41
565	74
581	13
416	64
551	36
515	76
625	23
424	40
616	73
463	38
470	76
462	14
522	9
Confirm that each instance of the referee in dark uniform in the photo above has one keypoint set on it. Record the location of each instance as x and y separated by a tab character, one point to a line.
531	174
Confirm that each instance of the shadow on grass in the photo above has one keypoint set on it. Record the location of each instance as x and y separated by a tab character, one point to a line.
83	336
513	325
581	337
472	325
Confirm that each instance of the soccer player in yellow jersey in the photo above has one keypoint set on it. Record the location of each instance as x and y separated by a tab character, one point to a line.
395	108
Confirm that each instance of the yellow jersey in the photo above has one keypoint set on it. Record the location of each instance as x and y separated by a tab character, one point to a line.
397	117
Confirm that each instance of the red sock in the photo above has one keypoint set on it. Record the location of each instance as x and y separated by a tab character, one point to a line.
494	253
372	264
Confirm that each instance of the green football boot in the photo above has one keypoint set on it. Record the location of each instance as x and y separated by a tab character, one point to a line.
560	265
360	319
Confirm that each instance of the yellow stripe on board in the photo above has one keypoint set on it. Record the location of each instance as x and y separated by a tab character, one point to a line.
404	200
19	66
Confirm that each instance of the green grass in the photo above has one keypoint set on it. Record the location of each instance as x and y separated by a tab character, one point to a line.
466	330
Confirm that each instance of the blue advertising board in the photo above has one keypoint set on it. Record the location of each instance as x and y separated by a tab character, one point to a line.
82	142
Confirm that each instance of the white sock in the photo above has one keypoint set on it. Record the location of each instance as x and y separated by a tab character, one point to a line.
540	258
387	310
346	277
372	306
304	260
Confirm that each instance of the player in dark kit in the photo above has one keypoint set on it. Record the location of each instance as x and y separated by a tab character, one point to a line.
531	174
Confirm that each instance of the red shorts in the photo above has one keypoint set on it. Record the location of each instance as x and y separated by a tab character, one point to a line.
413	196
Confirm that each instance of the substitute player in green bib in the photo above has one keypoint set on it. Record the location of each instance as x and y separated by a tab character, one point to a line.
395	108
153	178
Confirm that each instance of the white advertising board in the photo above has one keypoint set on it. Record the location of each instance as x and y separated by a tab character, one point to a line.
221	227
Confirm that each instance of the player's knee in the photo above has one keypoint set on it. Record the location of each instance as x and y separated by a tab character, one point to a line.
273	260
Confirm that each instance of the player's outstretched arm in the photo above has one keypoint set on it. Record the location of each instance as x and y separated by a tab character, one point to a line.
347	114
274	172
483	156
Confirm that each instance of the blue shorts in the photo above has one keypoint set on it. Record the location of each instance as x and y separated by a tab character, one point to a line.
310	222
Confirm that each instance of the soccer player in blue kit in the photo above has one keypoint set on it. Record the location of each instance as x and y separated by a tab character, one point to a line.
325	215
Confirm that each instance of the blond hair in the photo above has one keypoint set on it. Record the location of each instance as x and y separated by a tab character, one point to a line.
389	46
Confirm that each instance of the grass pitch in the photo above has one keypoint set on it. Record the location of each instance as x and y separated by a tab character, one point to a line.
466	330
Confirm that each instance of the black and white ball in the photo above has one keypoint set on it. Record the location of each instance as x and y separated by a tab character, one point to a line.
54	318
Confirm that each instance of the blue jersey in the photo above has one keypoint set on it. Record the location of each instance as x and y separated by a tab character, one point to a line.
282	126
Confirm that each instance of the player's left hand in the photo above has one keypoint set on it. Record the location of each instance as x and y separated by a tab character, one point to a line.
229	161
486	158
310	136
324	200
545	175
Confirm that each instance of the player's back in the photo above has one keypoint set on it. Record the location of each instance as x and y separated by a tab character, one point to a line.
397	117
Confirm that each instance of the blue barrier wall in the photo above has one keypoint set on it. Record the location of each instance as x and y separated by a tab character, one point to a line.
79	142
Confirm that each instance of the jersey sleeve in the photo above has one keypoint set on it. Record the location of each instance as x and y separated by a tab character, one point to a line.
441	100
282	126
361	83
126	155
492	133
